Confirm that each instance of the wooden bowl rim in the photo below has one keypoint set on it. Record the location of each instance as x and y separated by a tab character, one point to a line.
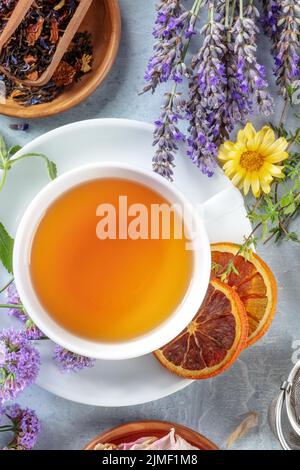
136	427
50	109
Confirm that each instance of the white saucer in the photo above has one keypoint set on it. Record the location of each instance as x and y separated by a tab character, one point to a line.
139	380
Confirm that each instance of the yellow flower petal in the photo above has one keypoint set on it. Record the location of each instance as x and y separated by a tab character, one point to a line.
265	187
247	184
255	184
269	138
277	157
280	145
245	134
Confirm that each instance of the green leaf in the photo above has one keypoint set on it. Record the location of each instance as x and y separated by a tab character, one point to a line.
13	150
6	248
3	150
52	169
286	200
290	209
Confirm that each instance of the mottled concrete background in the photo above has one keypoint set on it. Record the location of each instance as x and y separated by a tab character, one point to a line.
214	407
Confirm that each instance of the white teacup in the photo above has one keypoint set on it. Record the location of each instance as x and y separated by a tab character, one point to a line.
155	338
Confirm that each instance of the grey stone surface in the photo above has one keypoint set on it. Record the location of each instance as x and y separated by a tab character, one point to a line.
213	407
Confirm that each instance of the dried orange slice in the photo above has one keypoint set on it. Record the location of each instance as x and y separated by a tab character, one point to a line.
255	284
213	340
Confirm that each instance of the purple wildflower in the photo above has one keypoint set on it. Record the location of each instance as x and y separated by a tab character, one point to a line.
14	299
68	361
166	61
32	332
24	424
167	135
19	364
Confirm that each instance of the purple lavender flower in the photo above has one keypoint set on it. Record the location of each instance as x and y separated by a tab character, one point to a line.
206	107
248	78
166	61
281	22
32	332
167	135
68	361
20	365
271	17
24	424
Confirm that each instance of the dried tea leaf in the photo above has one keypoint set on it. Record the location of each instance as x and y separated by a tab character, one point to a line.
250	422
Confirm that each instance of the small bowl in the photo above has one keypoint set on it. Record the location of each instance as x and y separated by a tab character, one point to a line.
155	338
132	431
103	21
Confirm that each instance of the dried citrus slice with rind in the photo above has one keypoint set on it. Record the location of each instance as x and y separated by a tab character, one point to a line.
255	284
213	340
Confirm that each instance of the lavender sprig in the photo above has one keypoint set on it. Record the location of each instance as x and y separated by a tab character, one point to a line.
249	80
167	135
166	61
24	424
282	22
206	105
19	364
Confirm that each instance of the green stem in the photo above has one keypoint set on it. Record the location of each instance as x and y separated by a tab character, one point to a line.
241	9
6	428
29	155
227	14
3	177
232	13
6	286
292	141
284	111
17	306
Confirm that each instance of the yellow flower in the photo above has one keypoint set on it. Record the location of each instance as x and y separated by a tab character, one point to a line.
252	161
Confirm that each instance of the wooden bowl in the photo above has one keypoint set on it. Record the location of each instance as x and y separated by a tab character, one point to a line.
103	21
132	431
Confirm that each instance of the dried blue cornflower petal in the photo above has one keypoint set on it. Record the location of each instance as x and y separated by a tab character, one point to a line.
19	127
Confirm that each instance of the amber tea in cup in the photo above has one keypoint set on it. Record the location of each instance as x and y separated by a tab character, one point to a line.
113	289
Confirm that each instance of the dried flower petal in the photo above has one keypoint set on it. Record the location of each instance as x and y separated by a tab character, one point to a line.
60	5
64	74
33	76
30	59
250	422
85	63
54	34
34	31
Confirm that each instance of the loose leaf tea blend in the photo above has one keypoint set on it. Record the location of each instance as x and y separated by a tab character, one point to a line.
30	50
